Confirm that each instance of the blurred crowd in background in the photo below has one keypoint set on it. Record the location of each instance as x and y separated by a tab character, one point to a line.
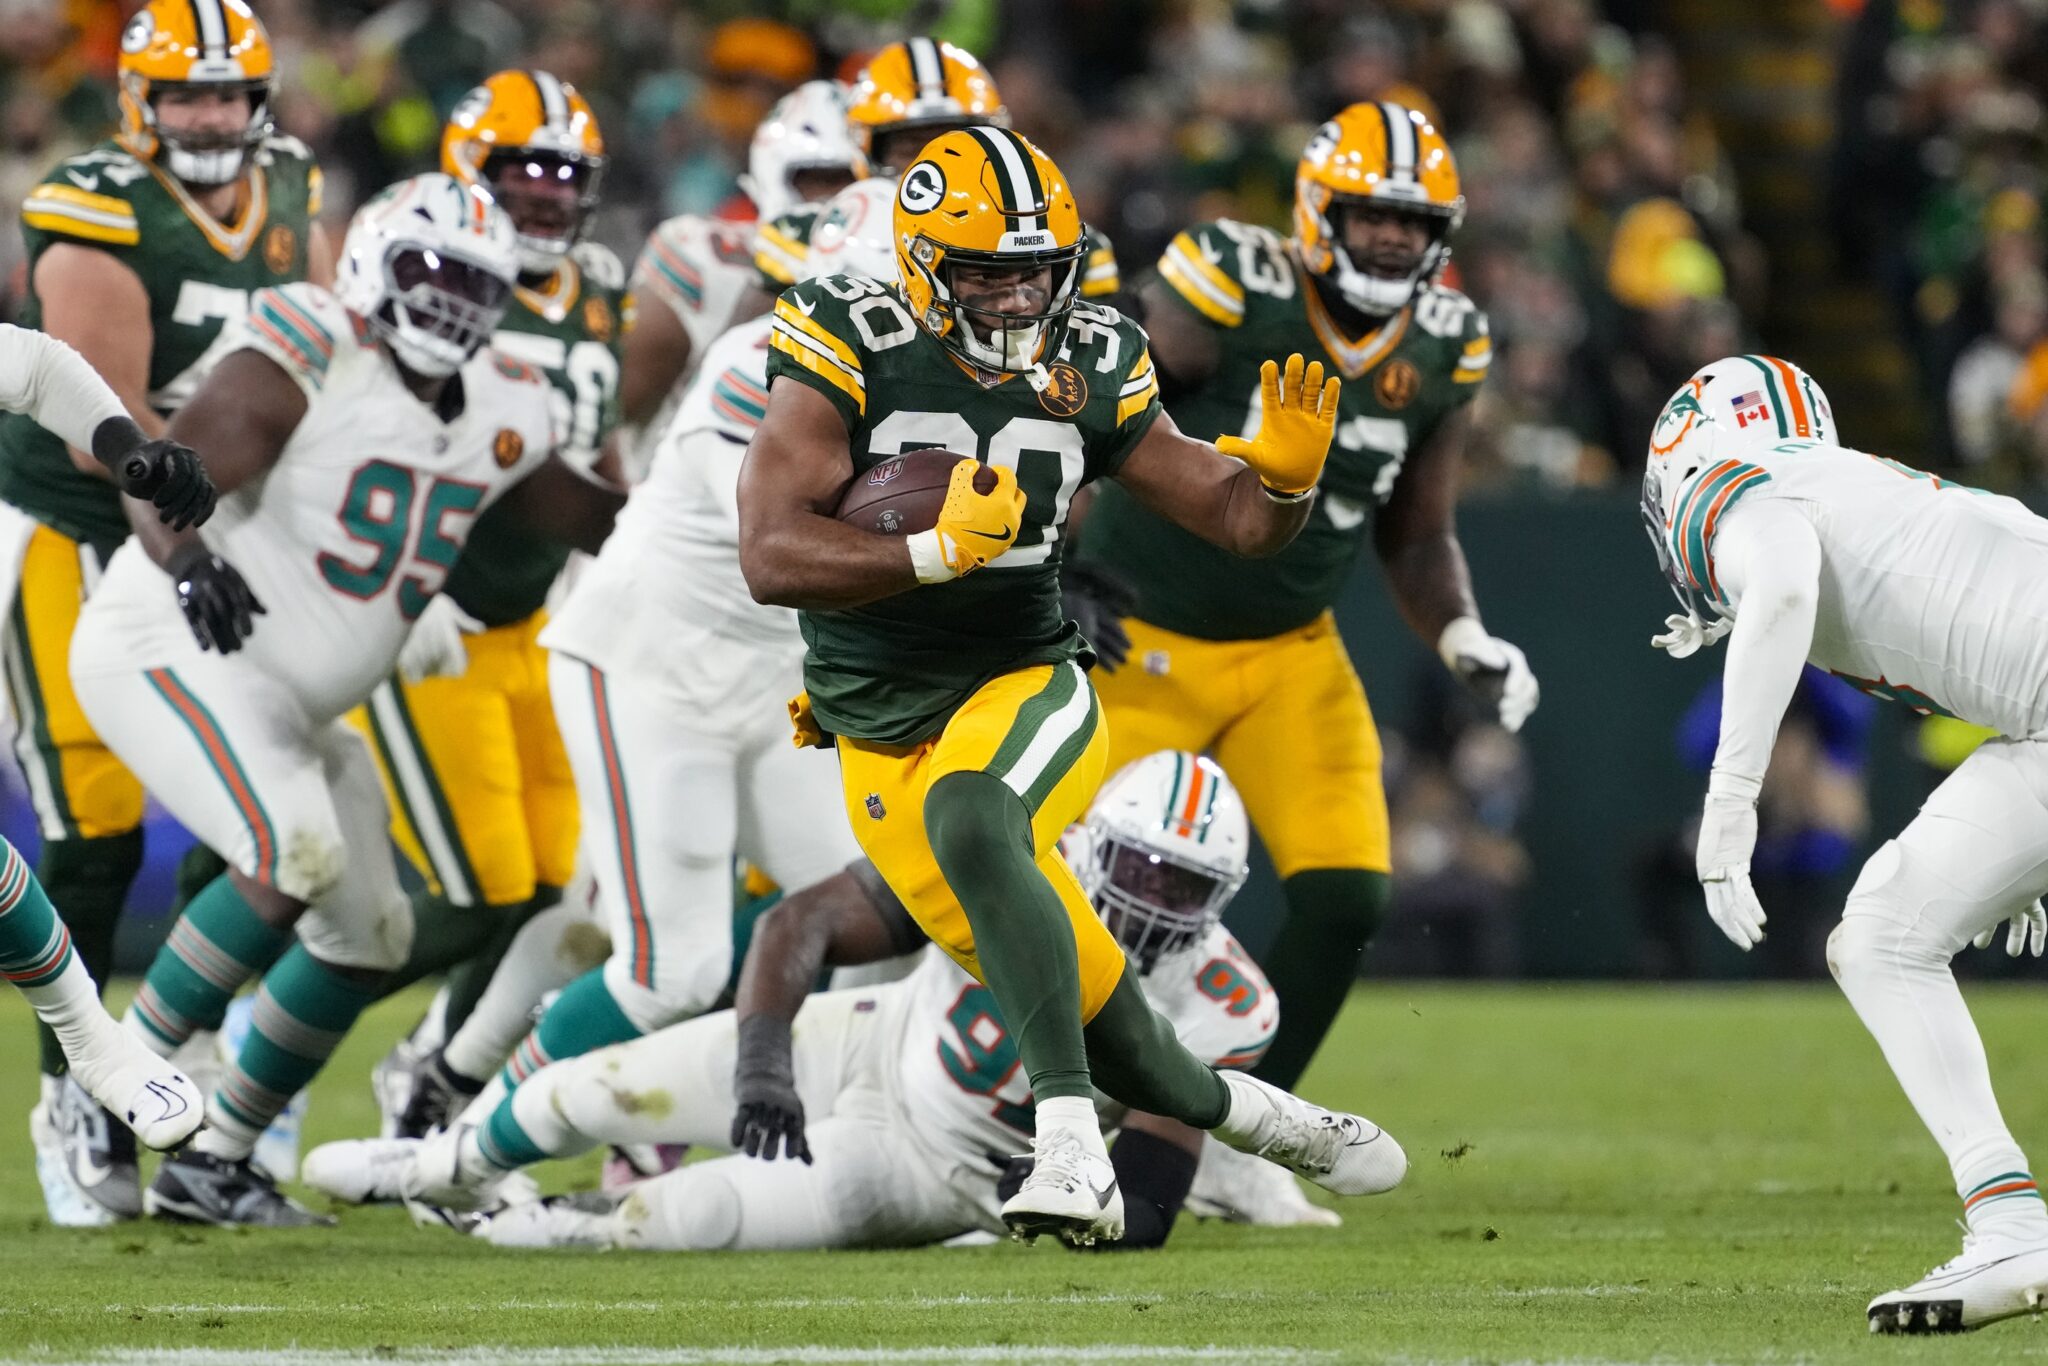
1605	235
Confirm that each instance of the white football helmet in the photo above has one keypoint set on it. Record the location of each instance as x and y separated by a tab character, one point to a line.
429	264
1734	409
1162	851
805	131
853	234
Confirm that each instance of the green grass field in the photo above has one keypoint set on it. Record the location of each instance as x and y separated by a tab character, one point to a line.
1599	1175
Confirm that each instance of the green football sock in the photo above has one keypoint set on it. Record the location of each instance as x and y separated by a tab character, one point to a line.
89	878
1331	913
303	1009
1137	1059
218	944
981	835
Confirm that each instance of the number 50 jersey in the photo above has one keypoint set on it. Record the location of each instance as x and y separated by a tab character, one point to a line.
894	671
1400	381
349	535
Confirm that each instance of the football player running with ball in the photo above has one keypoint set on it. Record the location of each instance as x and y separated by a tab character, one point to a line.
1243	661
355	436
940	661
1800	550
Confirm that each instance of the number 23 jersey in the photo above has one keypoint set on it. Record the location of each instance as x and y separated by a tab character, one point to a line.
347	537
894	671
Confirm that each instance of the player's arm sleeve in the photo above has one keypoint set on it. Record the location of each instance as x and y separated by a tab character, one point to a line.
805	344
1100	277
1137	402
296	326
1768	562
54	385
1200	265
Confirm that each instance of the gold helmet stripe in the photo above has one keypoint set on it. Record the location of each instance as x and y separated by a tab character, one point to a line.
1400	142
212	26
927	67
1018	177
554	104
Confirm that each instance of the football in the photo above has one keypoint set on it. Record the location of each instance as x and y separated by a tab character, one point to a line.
904	493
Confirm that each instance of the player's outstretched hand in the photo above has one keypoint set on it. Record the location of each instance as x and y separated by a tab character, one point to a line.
1097	600
1494	669
2028	933
1297	418
1727	841
218	603
168	476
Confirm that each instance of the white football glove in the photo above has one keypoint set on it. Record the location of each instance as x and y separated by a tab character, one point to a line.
2028	933
1686	635
435	649
1727	841
1497	671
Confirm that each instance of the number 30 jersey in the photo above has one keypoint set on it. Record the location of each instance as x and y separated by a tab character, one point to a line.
346	538
198	274
1400	381
963	1087
894	671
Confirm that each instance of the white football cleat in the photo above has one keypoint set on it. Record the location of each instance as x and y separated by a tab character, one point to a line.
66	1204
1071	1191
361	1171
555	1222
1244	1189
1993	1278
1343	1153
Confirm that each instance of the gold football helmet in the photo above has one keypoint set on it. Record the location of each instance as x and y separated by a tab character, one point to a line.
983	212
532	142
209	44
919	86
1389	157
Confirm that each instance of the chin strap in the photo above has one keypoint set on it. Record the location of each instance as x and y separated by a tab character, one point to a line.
1040	379
1686	635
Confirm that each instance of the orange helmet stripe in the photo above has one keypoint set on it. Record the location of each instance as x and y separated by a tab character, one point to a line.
1802	421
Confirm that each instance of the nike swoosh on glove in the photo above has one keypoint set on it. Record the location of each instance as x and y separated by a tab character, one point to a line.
973	527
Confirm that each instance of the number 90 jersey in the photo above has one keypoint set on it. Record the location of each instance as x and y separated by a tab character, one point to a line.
894	671
1400	381
350	534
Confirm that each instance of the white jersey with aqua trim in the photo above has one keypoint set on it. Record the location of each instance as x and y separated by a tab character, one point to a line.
1931	593
673	559
350	534
697	268
963	1088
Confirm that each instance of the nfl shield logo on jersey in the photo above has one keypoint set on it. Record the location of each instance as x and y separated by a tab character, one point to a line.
875	809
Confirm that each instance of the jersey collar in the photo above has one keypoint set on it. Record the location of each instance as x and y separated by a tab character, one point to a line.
553	302
1353	356
230	240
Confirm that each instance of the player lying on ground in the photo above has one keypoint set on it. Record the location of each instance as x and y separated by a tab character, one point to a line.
1917	590
967	734
354	436
902	1101
43	379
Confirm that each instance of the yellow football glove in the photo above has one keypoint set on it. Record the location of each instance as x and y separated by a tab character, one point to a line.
973	527
1298	415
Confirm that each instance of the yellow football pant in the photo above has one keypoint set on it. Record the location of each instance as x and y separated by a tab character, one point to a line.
482	798
1285	716
1040	731
80	790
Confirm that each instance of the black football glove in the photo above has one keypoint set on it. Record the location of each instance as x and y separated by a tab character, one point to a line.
163	473
216	600
1097	600
770	1114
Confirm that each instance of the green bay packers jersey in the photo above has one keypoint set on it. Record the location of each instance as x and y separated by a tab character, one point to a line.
781	246
1400	381
893	671
570	332
198	274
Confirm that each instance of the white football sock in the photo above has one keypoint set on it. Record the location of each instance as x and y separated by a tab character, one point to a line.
550	951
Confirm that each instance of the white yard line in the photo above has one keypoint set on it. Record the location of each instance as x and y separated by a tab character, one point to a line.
803	1355
679	1303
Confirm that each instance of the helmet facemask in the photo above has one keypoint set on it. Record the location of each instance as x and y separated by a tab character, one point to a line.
439	309
549	196
1374	294
1045	283
1155	904
203	159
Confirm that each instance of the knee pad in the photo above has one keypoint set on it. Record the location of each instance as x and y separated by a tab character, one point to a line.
374	935
310	862
694	1209
1896	912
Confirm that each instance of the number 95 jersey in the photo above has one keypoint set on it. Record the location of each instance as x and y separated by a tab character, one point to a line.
894	671
350	534
1400	381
